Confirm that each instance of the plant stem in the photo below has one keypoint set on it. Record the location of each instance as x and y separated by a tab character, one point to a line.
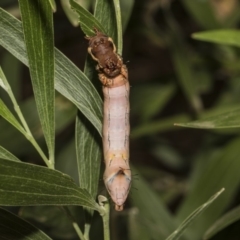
74	223
28	133
104	203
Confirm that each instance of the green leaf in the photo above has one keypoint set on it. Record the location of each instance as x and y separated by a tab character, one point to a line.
179	231
5	154
5	113
153	214
13	227
53	5
219	170
38	33
3	81
152	127
72	16
226	220
23	184
147	101
89	155
185	73
69	80
227	36
225	120
87	21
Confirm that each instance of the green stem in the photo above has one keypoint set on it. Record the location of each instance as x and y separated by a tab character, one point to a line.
104	203
86	230
28	133
74	223
119	25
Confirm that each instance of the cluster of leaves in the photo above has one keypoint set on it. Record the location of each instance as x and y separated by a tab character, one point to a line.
23	184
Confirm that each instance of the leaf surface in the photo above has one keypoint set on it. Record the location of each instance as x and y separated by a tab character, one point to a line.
38	34
23	184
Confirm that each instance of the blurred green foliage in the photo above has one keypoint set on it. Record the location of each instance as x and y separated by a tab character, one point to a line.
174	79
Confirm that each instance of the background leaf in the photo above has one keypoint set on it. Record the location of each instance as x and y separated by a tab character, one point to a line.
226	220
179	231
13	227
153	215
227	36
224	120
213	171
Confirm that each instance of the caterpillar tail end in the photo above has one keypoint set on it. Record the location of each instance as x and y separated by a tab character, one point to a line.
118	184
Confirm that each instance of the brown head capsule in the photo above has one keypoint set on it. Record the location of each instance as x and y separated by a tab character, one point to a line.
103	50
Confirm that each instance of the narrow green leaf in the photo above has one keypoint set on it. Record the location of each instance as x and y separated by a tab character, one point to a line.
108	19
227	36
72	16
38	32
225	120
179	231
147	101
69	80
5	113
220	170
23	184
226	220
185	73
53	5
13	227
152	127
153	214
119	25
87	21
5	154
3	81
88	155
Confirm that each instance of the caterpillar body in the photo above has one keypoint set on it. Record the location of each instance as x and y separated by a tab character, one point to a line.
114	77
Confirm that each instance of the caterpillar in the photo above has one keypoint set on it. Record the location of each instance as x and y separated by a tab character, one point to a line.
113	75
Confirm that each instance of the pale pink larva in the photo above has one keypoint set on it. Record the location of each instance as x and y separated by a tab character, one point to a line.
117	175
114	77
